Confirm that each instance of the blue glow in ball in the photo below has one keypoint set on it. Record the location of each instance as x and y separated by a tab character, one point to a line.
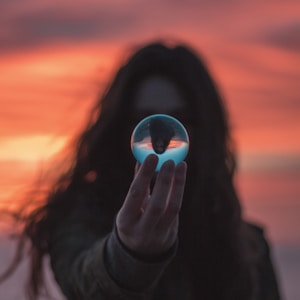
161	135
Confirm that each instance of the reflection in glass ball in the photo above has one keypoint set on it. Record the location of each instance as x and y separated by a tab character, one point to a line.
162	135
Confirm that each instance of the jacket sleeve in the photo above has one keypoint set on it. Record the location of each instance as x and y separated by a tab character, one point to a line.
89	265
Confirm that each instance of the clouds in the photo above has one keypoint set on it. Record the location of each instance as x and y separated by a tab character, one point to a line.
286	36
52	24
249	45
34	23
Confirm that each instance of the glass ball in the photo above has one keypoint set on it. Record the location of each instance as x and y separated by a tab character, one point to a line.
161	135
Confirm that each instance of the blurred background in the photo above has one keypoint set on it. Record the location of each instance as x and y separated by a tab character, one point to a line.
56	56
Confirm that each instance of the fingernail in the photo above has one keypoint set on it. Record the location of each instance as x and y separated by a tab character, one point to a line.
182	165
151	159
169	165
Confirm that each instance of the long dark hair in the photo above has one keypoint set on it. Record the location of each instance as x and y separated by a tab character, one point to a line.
210	232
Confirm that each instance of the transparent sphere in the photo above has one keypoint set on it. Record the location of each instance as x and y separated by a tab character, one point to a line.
162	135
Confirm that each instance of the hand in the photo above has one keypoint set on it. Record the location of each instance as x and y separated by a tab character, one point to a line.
148	224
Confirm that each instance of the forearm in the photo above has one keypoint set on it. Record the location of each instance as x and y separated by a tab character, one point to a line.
134	272
89	267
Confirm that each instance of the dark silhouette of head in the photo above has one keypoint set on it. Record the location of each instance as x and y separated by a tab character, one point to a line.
161	134
210	219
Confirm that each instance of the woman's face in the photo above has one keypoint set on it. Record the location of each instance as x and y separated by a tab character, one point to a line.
159	95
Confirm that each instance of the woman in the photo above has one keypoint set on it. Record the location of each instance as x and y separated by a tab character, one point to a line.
109	238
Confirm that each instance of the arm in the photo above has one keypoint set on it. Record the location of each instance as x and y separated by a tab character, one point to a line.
90	265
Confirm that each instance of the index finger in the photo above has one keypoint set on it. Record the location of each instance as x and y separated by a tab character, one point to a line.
139	187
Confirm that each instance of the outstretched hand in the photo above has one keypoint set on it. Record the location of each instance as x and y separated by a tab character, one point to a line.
147	223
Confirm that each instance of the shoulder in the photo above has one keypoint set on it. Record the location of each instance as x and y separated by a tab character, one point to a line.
260	261
256	240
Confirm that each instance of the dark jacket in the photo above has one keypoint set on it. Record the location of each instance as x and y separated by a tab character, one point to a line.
90	266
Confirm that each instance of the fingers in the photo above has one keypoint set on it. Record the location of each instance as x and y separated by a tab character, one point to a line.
166	199
136	168
175	197
139	188
148	223
157	204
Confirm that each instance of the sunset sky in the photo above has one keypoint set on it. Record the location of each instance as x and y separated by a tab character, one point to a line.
56	56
